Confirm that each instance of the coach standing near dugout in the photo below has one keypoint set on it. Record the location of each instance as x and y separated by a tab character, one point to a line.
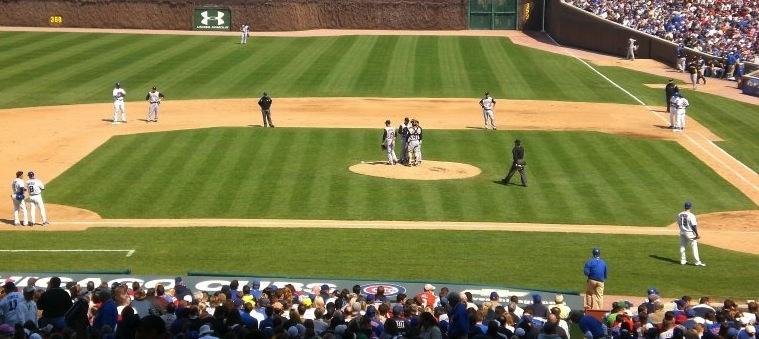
595	270
265	104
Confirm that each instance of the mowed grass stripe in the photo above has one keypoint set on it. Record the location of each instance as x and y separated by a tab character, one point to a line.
281	72
349	66
480	72
296	161
205	66
375	71
324	174
228	200
453	73
23	47
325	57
399	80
276	172
566	181
253	181
258	53
427	70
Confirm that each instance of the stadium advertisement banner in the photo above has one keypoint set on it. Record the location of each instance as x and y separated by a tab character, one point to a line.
751	86
480	293
211	19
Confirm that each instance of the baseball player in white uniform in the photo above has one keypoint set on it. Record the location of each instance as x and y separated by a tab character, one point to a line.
154	99
488	103
119	94
17	195
244	33
35	187
687	223
681	103
415	143
388	143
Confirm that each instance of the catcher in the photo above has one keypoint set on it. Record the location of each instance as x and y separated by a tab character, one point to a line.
154	97
388	143
518	164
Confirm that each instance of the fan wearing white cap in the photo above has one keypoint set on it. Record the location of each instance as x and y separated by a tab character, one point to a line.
205	332
687	223
427	297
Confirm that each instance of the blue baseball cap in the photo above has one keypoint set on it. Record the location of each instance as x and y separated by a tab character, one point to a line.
596	251
688	205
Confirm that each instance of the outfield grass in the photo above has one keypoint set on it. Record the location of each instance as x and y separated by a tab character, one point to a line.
302	173
537	260
734	121
67	68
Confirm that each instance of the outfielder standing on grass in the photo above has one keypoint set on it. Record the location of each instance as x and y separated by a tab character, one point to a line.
244	34
119	94
17	195
596	271
488	103
265	104
154	98
687	223
388	143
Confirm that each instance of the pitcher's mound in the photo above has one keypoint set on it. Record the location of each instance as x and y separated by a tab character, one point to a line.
428	170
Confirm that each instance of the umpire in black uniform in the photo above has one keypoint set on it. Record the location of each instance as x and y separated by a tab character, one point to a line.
517	164
669	91
265	104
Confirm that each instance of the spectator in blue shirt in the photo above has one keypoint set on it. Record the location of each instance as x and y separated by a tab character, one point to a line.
595	270
591	327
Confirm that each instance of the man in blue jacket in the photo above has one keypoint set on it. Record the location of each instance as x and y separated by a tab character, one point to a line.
595	270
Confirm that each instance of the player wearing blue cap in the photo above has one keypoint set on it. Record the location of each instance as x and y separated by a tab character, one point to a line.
686	221
595	270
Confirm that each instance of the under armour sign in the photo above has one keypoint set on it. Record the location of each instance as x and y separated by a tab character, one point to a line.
212	19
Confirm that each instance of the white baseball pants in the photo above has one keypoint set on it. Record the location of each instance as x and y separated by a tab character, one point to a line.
243	38
680	122
390	149
19	205
35	201
686	239
118	107
489	117
415	148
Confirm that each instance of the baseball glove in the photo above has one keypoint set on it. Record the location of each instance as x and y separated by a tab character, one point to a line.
383	147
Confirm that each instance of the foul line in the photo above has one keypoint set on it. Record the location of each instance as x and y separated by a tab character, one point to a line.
751	184
128	252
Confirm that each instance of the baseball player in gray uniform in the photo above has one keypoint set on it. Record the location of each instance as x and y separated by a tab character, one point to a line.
687	223
17	195
388	143
154	99
35	187
415	143
488	103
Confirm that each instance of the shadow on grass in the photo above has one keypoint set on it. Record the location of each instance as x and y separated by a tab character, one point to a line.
669	260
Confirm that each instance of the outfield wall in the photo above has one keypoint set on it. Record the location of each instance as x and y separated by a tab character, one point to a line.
261	15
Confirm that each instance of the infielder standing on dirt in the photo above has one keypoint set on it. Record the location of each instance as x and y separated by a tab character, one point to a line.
681	103
244	34
388	143
686	221
488	103
265	104
154	99
119	94
17	195
35	187
415	143
403	135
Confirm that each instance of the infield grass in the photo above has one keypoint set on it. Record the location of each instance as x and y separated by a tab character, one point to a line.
537	260
302	173
67	68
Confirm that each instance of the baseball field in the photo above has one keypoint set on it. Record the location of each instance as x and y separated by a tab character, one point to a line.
603	169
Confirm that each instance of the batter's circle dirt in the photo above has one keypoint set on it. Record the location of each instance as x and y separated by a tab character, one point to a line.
427	170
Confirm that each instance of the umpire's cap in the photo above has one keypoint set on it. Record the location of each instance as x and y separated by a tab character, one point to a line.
688	205
596	251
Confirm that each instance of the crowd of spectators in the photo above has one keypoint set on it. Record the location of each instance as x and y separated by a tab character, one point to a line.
716	27
131	311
